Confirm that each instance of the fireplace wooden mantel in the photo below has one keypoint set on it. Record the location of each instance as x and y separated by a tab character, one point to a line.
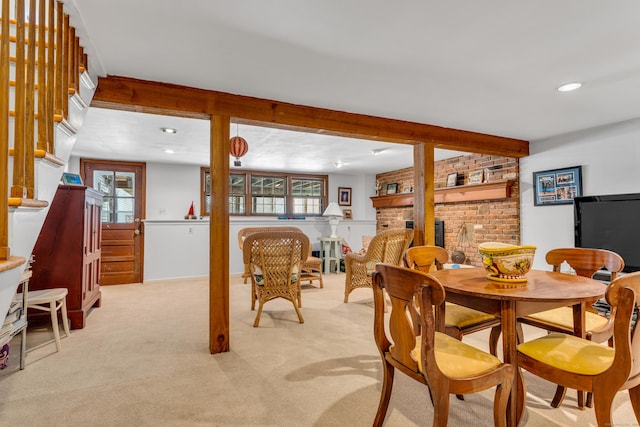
457	194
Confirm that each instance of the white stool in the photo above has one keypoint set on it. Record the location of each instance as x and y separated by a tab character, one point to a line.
51	300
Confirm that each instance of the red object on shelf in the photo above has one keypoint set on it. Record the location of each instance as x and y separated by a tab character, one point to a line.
191	210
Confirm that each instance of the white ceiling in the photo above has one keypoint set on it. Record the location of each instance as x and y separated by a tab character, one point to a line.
121	135
489	67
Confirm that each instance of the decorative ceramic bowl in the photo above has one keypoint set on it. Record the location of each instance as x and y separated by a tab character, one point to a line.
505	262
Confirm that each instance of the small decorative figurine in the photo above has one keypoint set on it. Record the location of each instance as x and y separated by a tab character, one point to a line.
190	215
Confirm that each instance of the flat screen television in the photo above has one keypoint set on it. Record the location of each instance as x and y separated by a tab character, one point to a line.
610	222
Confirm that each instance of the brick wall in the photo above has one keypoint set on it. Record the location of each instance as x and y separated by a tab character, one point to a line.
466	224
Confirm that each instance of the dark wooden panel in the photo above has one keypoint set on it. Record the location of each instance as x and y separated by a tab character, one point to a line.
67	252
119	267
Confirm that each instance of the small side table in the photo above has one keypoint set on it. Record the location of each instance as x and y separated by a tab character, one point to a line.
330	250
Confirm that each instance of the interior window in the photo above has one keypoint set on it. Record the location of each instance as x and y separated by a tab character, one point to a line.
267	193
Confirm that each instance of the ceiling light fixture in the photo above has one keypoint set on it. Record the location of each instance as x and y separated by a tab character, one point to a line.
169	151
169	130
568	87
338	165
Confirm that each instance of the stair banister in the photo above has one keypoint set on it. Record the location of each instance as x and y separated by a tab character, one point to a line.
30	110
43	118
17	188
50	76
5	253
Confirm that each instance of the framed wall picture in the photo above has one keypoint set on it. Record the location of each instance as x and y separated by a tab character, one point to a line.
347	215
71	179
452	179
344	196
475	177
392	188
557	186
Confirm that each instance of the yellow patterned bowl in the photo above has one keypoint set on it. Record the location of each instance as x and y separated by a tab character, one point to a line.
505	262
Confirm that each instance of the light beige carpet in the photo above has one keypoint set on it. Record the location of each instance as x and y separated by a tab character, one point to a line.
142	360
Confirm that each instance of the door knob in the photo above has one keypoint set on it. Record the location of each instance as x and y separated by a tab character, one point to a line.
136	232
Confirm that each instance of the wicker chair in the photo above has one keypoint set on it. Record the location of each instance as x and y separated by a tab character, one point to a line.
275	262
387	246
442	363
311	268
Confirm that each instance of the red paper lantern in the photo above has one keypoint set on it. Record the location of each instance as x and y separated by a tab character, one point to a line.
239	148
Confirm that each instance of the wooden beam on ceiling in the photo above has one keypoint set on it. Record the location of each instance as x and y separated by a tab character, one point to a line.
125	93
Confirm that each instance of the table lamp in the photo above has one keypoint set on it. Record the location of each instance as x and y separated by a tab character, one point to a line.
334	212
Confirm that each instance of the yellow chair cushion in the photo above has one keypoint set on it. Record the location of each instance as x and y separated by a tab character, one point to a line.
569	353
461	317
456	359
563	316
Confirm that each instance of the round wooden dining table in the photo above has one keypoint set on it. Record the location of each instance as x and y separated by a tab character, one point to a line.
543	290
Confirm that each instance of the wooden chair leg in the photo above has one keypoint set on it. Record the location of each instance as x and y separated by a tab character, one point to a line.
602	405
65	318
519	333
53	308
253	296
245	274
257	321
500	402
559	396
300	318
634	396
441	408
496	331
522	395
385	393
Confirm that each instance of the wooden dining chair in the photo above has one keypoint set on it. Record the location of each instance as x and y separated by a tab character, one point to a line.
442	363
585	262
275	262
582	364
459	320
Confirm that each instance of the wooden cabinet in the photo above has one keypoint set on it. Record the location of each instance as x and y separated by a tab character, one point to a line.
67	252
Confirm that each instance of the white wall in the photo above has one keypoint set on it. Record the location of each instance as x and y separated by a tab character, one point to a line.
610	160
177	248
171	189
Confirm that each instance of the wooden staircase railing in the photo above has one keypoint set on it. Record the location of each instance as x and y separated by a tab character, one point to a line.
5	252
47	67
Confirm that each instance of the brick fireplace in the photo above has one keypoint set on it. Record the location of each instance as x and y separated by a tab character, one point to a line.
494	217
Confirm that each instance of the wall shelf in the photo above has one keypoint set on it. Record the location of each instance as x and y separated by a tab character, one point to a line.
393	200
457	194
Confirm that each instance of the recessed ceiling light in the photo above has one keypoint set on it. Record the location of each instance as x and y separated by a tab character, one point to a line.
169	130
169	151
569	87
